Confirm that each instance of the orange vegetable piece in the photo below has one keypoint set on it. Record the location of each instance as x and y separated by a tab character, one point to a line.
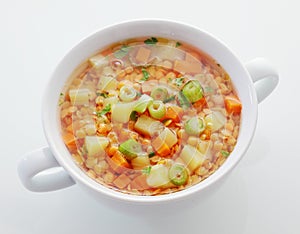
120	160
122	181
161	147
233	105
143	55
140	182
174	112
70	141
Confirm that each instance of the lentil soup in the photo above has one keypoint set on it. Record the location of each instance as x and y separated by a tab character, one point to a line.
149	116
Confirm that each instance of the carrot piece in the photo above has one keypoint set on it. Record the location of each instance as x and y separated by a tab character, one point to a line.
140	182
161	147
70	141
143	55
200	103
233	105
122	181
120	160
107	52
174	112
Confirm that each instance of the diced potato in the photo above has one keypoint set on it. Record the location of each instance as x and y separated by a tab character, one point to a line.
120	112
79	96
169	137
191	157
148	126
184	66
215	120
95	145
143	55
158	176
140	162
98	61
107	83
110	100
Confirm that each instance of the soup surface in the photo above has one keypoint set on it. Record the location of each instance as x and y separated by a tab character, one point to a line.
149	116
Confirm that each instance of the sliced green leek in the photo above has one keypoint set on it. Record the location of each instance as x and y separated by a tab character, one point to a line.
159	93
157	109
194	126
131	149
193	91
127	93
178	174
142	103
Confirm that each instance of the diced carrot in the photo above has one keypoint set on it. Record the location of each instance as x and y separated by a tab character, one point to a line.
161	147
142	55
200	103
122	181
140	182
70	141
174	112
233	105
118	163
187	66
147	86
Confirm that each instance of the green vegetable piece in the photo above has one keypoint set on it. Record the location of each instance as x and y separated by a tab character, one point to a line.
178	44
142	104
178	81
146	170
194	126
225	153
146	75
151	41
134	116
130	148
151	154
178	174
127	93
104	111
157	109
169	99
121	52
193	91
159	93
183	101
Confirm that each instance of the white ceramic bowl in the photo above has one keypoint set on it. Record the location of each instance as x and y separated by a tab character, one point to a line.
56	154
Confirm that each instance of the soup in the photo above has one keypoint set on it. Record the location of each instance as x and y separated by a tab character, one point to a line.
149	116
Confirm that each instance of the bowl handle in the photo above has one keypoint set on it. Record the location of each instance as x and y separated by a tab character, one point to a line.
264	76
32	170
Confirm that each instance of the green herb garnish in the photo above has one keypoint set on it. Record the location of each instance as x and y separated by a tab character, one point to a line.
225	153
121	52
103	94
104	111
134	116
169	99
178	81
61	94
151	41
146	170
151	154
178	44
146	75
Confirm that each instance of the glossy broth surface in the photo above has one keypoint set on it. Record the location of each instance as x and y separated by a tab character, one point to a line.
149	116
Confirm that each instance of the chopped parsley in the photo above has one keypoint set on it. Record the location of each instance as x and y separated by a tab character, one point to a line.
178	44
151	41
169	99
146	170
104	111
146	74
225	153
178	81
103	94
151	154
121	52
134	116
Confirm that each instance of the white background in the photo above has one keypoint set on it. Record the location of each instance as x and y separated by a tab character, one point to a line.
262	195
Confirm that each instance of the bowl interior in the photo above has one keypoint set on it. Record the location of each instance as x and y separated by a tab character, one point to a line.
141	28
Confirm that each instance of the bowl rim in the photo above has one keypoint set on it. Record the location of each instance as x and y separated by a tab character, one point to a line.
63	157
